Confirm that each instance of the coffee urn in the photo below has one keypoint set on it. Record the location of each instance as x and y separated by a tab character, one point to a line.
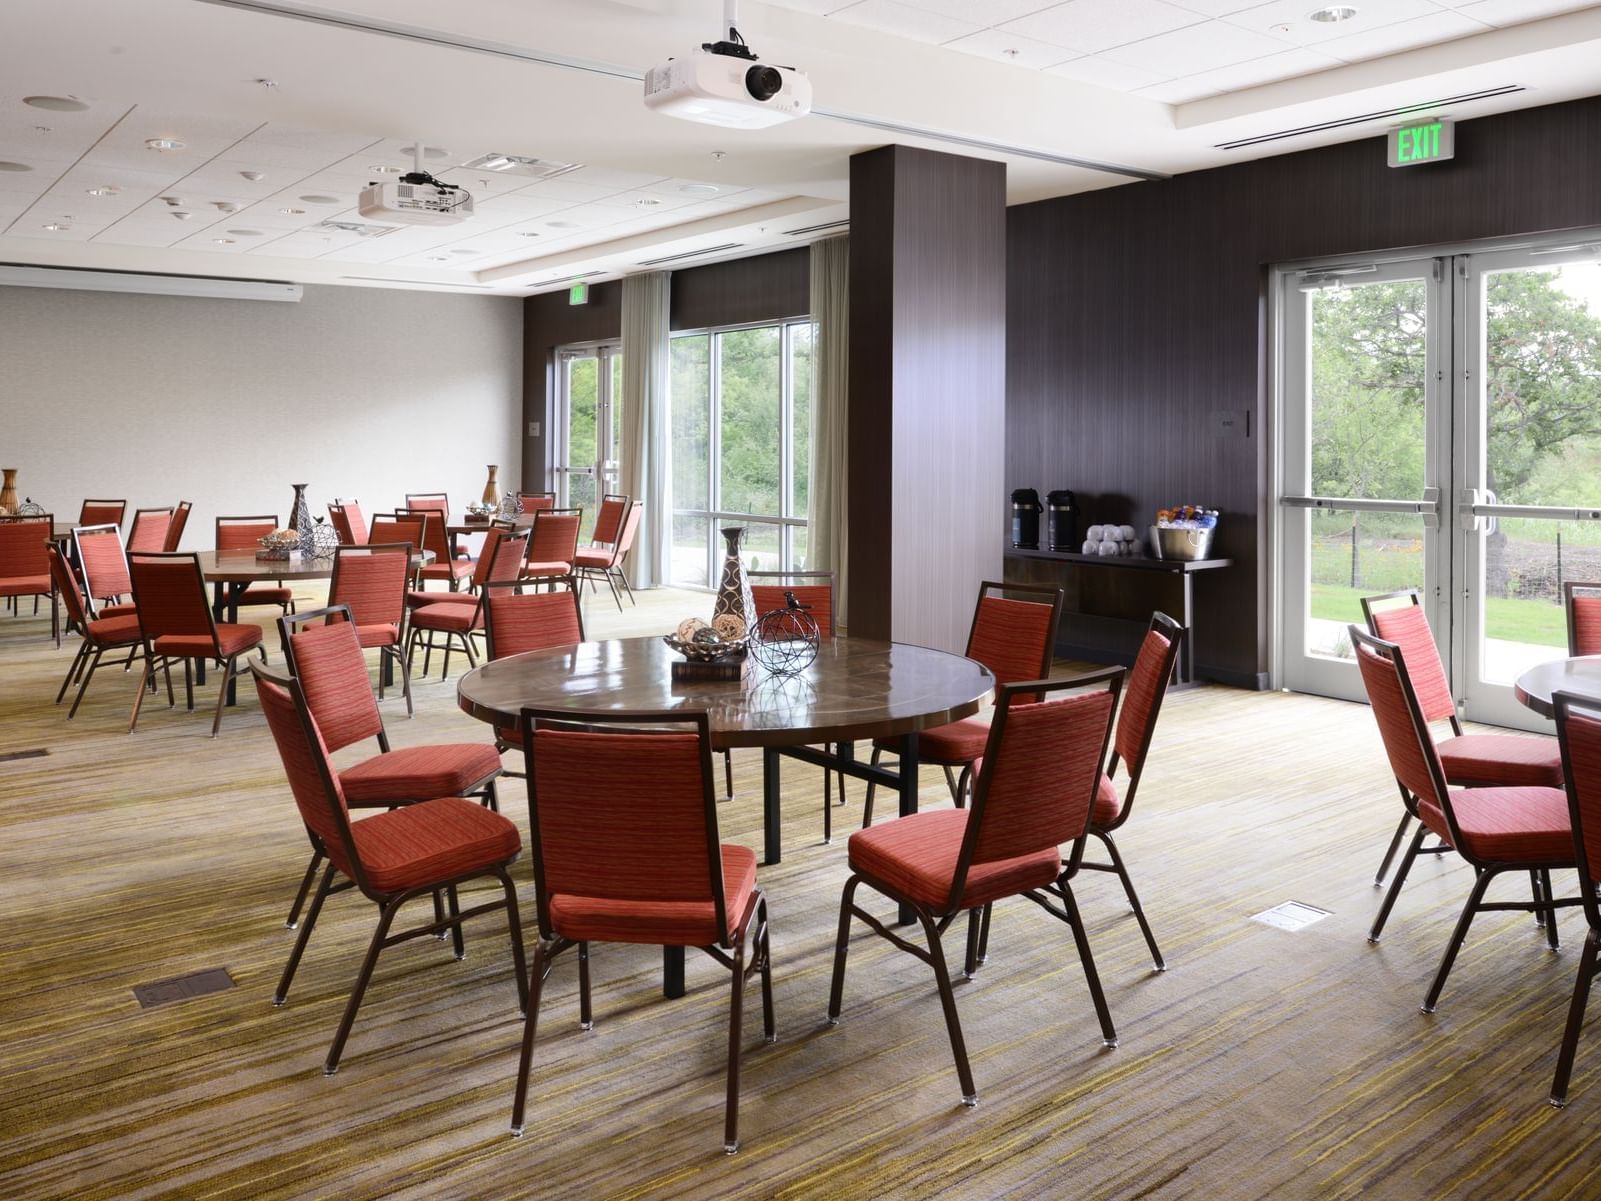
1026	509
1063	520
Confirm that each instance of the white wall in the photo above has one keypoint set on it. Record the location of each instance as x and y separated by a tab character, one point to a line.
354	391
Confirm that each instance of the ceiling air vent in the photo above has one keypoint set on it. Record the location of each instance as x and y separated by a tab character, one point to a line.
518	164
427	283
691	254
566	279
1387	114
807	230
362	229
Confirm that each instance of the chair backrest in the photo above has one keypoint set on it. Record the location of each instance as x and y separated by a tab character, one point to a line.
609	519
325	656
170	593
625	541
814	591
1015	639
102	512
410	528
350	523
371	582
1403	727
626	815
1579	734
555	536
532	502
23	541
242	533
1398	617
69	588
434	537
180	518
536	621
1142	700
105	566
494	533
1582	603
431	502
1042	765
149	529
313	782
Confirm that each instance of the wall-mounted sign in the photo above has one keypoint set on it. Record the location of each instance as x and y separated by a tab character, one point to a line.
578	294
1431	142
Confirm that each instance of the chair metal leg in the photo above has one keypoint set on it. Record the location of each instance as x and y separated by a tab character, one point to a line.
145	677
458	940
83	684
984	935
331	1064
828	807
950	783
74	669
1133	899
230	669
188	684
1552	939
514	928
284	981
1395	883
964	785
1082	938
736	1010
1457	936
947	997
836	988
872	786
305	887
975	918
586	1013
764	950
1395	844
536	989
405	683
1570	1034
728	774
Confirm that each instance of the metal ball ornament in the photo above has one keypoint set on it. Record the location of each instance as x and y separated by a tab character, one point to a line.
785	641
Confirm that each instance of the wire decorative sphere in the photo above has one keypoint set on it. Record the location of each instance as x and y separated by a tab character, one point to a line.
785	641
324	539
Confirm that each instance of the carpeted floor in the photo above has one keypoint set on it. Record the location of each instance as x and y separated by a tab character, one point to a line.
1264	1064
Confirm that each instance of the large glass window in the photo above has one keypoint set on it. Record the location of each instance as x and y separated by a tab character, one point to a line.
741	411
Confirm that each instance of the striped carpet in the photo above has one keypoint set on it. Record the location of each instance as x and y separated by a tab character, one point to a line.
1264	1064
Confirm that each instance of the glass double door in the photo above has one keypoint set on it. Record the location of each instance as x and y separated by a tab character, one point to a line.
587	424
1440	429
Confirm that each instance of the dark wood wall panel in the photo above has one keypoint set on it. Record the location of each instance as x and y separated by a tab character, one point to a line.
1137	312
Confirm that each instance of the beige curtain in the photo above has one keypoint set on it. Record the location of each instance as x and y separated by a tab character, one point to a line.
830	301
646	467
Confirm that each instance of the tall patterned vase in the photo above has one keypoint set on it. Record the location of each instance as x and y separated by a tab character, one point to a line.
733	590
8	490
492	487
300	522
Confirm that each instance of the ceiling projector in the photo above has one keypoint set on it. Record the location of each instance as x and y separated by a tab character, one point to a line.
724	83
416	198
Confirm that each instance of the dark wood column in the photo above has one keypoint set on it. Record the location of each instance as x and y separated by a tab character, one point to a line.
927	439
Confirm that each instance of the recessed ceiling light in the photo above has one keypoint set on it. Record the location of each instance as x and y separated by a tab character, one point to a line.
293	212
267	83
647	202
164	144
1333	14
435	152
699	189
252	176
526	233
181	214
1284	27
56	227
719	154
56	104
103	190
246	233
1011	52
463	250
5	166
315	198
562	224
223	241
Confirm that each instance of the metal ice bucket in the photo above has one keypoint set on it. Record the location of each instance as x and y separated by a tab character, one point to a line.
1184	545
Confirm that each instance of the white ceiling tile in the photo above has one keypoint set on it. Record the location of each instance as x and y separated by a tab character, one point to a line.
1103	72
984	12
675	187
888	16
1214	8
1290	19
627	203
1014	48
601	177
1176	91
566	189
129	234
1089	26
520	205
321	142
481	183
1514	12
1403	35
1268	69
1199	48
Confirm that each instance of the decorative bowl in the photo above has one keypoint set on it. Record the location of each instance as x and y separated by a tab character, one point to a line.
706	652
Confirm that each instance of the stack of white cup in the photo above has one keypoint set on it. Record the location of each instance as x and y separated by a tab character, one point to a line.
1107	540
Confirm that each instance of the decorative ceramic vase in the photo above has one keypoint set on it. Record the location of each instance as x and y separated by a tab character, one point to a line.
733	590
492	487
300	522
8	491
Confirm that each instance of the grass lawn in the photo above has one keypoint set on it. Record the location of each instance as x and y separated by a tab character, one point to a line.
1539	623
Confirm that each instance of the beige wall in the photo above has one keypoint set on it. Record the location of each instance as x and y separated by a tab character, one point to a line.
355	391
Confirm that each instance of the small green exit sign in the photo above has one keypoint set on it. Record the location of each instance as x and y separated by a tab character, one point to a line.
578	294
1431	142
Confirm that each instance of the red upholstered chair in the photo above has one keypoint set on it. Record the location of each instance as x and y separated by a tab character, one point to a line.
625	849
1582	602
599	559
1470	760
349	522
102	512
394	857
430	502
1041	764
371	581
1015	639
149	529
1521	828
493	532
177	626
100	634
24	566
105	569
180	518
325	656
515	623
458	619
553	546
532	502
242	533
1579	732
445	567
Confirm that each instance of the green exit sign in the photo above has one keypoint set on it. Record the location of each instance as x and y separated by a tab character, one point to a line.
578	294
1432	142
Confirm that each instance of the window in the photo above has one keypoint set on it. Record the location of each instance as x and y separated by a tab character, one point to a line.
741	411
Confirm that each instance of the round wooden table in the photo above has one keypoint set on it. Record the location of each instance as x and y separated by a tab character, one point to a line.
1580	676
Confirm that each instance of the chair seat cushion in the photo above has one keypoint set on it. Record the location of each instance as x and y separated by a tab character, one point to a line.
456	569
413	599
24	585
1508	825
432	841
917	856
658	923
266	594
420	773
1107	805
1501	760
553	567
457	618
118	610
594	556
382	634
115	631
958	744
232	639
